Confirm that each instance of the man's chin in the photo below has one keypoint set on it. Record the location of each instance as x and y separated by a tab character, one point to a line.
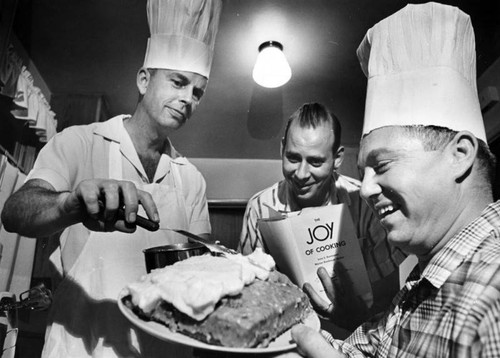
300	196
175	123
306	200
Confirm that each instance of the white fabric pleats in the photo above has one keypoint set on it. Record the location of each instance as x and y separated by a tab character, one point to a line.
31	106
29	103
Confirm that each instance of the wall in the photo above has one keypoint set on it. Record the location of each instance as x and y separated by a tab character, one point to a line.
234	181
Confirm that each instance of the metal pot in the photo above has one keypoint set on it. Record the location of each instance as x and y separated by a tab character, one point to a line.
161	256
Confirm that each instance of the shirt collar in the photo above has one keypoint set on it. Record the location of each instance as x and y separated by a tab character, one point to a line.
462	245
111	130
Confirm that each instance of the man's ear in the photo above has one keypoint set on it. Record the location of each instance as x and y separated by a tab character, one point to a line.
282	146
339	158
464	147
143	77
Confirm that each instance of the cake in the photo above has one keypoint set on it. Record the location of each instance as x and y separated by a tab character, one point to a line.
226	302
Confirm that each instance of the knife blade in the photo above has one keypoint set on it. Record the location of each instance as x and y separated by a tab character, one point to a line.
213	247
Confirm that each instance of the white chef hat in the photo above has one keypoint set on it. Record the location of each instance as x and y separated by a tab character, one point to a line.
182	34
421	69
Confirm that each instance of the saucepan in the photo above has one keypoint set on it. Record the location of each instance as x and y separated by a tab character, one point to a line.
161	256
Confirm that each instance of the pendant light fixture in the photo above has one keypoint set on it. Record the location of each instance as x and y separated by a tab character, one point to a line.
271	69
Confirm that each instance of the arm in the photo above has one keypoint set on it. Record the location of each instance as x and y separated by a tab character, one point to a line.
364	342
486	340
37	210
312	344
34	210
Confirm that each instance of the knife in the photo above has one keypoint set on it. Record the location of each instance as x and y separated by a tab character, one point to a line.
214	247
141	221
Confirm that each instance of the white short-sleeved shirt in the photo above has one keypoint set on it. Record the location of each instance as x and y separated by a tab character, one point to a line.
82	152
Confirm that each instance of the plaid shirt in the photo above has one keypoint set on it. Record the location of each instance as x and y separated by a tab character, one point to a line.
451	309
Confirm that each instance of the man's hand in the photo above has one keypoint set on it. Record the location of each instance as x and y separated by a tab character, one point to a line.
345	309
311	343
98	201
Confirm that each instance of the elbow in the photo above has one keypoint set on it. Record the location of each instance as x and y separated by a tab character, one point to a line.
8	221
10	216
12	224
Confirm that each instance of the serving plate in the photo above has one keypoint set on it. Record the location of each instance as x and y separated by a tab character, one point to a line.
280	344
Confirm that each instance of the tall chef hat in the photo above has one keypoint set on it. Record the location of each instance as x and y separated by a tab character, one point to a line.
421	69
182	34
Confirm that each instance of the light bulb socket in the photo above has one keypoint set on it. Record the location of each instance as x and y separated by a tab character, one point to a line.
270	44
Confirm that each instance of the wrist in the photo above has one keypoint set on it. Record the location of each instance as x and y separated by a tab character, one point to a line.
69	207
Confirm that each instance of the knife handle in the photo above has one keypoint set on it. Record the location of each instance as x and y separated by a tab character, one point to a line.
141	221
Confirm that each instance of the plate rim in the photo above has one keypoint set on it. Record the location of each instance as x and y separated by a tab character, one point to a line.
162	332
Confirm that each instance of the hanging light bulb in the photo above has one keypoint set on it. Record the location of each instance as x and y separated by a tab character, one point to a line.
271	69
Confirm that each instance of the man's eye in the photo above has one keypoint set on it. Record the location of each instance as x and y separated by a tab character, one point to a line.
316	163
381	167
292	159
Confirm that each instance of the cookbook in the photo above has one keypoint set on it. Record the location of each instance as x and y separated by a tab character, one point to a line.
301	242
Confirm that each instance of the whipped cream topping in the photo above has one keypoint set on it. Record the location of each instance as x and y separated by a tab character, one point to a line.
194	286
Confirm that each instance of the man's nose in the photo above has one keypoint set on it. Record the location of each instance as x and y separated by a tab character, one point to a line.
186	95
369	185
302	171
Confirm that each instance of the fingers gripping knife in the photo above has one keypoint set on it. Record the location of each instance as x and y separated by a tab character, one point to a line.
141	221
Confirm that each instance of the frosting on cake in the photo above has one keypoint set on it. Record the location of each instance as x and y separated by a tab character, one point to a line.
194	286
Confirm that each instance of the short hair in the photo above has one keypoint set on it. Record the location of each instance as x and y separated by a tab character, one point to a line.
435	138
152	71
311	115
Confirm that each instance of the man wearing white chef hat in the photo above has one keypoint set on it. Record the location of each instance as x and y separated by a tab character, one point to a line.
86	173
427	173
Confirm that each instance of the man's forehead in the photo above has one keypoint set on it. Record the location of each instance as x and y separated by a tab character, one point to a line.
310	135
191	77
384	134
325	128
391	139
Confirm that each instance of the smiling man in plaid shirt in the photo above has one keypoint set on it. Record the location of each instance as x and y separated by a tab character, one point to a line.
427	173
